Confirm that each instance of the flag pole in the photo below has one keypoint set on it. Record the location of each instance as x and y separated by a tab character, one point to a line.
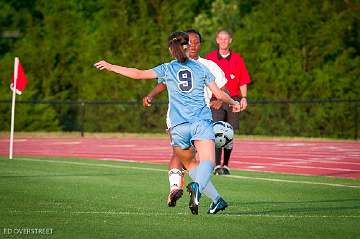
16	64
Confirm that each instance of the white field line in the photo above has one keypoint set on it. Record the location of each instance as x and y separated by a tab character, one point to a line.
296	166
93	165
164	170
172	214
299	160
291	181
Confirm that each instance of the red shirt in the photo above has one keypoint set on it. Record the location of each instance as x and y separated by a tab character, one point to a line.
234	69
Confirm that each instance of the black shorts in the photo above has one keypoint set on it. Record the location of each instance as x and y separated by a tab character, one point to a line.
225	114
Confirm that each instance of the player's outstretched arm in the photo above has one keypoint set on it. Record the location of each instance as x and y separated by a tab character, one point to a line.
221	95
126	71
158	89
216	104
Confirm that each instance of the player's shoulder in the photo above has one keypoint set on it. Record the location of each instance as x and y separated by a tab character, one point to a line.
171	63
202	60
175	65
166	65
195	63
209	64
190	64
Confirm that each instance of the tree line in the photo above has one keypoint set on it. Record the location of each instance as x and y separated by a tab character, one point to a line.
292	49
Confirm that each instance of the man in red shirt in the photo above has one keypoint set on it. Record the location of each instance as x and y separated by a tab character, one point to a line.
237	80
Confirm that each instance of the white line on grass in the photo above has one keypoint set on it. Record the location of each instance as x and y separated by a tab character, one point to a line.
163	170
179	213
291	181
93	165
289	164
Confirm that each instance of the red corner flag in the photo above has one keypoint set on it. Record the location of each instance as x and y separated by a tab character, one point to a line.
20	76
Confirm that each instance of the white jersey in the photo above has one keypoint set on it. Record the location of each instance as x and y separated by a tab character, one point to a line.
220	81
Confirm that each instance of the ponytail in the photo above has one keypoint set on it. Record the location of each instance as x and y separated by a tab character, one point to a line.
178	44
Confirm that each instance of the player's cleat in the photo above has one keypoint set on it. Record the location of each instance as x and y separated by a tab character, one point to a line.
226	170
218	170
220	205
174	195
194	191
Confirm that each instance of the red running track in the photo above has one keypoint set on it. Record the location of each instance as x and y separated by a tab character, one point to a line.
305	157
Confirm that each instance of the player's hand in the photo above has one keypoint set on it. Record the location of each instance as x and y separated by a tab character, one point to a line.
243	103
147	101
236	107
216	104
101	65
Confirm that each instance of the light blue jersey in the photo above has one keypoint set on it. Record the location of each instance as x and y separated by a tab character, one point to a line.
185	84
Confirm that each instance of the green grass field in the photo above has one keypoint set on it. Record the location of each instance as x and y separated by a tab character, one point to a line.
84	198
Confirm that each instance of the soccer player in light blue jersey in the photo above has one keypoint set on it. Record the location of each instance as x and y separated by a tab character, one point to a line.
190	119
176	176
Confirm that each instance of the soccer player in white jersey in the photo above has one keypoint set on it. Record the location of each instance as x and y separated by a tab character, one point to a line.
190	118
175	166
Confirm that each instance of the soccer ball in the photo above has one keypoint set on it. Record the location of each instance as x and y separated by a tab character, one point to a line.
224	133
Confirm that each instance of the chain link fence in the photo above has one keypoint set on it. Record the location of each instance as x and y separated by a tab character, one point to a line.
330	118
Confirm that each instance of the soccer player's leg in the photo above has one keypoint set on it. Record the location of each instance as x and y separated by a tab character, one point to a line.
218	168
227	153
218	115
203	172
218	203
203	139
233	118
176	186
176	175
181	140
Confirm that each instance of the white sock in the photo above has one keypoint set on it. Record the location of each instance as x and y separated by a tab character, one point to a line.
175	178
210	190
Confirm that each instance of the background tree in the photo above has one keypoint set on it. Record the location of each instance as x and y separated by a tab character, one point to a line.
293	50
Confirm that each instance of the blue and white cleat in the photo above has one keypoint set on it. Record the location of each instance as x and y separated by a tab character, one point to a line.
220	205
194	191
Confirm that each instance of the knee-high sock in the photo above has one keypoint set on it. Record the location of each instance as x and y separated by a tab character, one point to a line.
210	190
175	178
227	153
204	172
218	152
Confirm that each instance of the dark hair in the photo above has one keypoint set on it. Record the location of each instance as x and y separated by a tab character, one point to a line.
178	42
191	30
